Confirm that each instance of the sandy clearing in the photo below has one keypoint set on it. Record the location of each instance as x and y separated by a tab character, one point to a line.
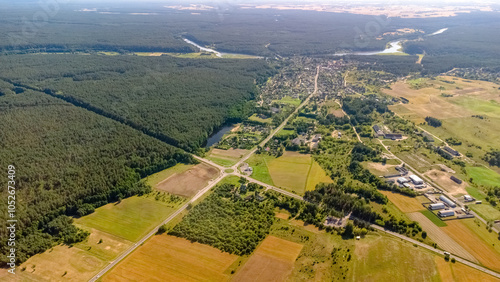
443	179
188	183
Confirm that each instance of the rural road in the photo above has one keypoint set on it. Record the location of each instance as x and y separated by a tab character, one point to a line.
235	172
211	184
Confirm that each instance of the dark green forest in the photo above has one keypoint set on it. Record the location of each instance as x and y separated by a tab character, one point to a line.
68	161
180	101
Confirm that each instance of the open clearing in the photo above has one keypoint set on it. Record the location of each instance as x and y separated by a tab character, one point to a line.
382	258
158	177
53	263
169	258
189	182
443	179
466	235
296	172
131	219
404	203
81	261
226	157
460	272
441	238
486	211
380	169
273	260
483	176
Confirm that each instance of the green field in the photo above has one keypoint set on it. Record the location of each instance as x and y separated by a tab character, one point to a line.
489	108
434	218
383	258
483	176
295	172
222	162
475	193
260	170
131	219
254	117
289	100
486	211
164	174
284	133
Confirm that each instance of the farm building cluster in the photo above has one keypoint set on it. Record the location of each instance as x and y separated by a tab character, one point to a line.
386	133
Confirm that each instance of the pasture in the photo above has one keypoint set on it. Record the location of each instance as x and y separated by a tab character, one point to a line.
476	240
404	203
486	211
380	258
483	176
296	172
288	100
189	182
130	219
440	237
273	260
169	258
256	118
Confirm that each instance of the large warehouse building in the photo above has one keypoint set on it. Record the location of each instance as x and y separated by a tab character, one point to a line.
447	201
437	206
416	180
446	213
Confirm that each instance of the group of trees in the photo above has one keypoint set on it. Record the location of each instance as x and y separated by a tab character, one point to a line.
68	162
361	109
493	158
434	122
227	222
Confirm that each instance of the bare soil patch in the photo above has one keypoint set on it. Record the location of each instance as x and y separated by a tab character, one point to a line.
188	183
443	179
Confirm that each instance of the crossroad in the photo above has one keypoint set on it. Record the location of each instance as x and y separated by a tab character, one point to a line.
234	168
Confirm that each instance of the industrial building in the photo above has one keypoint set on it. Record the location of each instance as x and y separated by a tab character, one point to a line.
437	206
416	180
447	201
446	213
468	198
402	180
406	185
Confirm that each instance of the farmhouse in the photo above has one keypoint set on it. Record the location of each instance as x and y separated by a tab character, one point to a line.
416	180
393	136
437	206
447	201
446	213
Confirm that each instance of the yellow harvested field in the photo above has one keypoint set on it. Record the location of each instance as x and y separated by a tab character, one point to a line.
460	272
443	178
169	258
273	260
473	243
188	183
52	264
404	203
440	237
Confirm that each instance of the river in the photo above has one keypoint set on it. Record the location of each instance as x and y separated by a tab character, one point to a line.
216	137
220	54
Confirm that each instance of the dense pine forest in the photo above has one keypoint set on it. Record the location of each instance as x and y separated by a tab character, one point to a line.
69	161
180	101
